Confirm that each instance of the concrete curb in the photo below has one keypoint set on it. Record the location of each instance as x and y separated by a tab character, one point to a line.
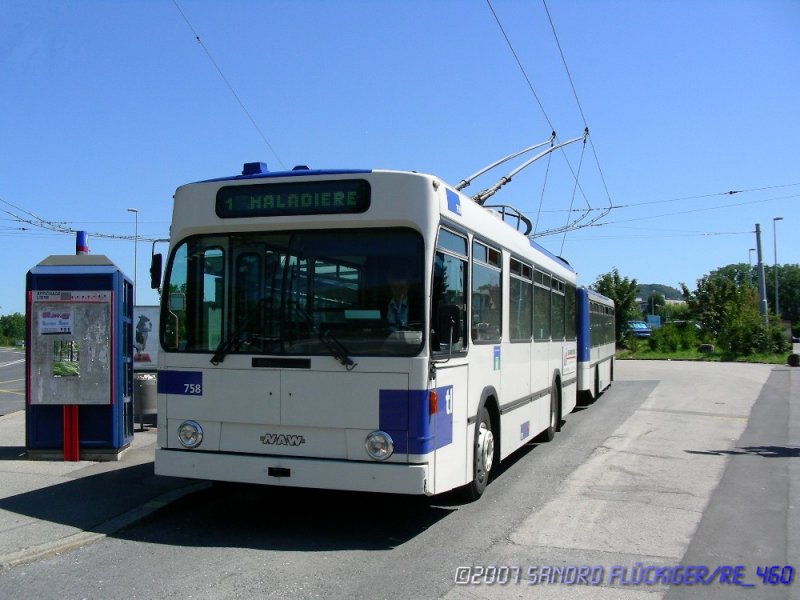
110	527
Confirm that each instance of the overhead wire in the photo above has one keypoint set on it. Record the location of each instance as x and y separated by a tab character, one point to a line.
572	199
711	195
550	123
228	83
541	196
577	100
519	64
59	227
661	236
696	210
681	198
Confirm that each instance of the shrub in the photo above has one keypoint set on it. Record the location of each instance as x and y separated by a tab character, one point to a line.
665	339
632	343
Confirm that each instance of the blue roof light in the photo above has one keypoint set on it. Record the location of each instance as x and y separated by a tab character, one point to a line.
254	168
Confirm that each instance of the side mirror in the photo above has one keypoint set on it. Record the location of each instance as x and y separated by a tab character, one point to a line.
155	271
448	323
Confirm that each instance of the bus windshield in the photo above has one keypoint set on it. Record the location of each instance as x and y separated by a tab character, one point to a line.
280	293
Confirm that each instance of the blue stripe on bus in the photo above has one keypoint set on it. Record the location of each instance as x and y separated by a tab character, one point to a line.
404	416
181	383
582	302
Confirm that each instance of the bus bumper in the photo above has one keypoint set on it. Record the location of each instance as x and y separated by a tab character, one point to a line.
393	478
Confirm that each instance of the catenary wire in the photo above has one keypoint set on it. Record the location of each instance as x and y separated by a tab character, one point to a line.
547	118
228	83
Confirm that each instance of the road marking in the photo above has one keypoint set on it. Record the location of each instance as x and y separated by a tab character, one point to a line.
13	362
11	381
17	392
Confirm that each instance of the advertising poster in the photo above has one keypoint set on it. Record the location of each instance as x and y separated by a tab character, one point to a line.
145	338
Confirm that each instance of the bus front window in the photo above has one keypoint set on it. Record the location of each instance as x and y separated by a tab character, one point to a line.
275	293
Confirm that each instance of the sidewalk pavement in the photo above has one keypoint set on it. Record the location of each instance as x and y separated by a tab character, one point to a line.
48	507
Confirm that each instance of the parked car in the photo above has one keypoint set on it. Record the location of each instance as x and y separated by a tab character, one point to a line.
639	329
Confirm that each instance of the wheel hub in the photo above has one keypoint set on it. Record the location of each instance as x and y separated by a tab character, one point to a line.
485	451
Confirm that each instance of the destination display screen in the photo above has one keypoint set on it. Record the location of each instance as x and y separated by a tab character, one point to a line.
294	198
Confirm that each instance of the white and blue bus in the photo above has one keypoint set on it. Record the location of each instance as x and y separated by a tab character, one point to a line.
596	342
356	330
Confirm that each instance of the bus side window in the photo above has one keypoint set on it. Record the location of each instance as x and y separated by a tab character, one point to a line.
487	301
541	306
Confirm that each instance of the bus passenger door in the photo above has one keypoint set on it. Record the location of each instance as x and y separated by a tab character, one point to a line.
451	465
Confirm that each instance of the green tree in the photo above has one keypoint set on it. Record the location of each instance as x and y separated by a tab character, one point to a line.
788	291
708	304
12	328
623	292
675	312
725	305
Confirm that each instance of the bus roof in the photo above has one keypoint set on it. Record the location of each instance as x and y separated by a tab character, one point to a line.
260	171
553	256
596	296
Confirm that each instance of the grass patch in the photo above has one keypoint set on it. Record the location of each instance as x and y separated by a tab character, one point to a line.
647	354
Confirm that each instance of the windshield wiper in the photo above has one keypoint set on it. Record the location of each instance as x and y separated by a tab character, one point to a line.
232	341
334	346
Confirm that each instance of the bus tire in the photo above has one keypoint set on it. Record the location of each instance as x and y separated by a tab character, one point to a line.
555	419
483	456
597	382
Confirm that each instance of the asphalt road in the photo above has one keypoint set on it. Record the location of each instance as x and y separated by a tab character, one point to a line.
677	464
12	380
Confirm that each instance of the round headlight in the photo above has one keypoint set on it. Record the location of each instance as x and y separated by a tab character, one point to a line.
190	434
379	445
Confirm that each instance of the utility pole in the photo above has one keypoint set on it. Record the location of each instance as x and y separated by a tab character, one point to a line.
762	284
135	212
775	241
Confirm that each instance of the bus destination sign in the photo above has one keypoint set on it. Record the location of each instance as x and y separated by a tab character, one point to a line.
294	198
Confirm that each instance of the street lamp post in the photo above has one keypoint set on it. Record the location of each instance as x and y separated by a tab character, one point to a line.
135	212
775	241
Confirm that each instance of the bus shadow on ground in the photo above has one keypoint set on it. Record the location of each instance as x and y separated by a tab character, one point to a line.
230	515
289	519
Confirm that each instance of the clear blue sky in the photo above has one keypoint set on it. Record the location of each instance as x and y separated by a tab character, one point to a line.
106	106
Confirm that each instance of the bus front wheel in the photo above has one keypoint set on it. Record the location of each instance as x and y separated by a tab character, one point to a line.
483	455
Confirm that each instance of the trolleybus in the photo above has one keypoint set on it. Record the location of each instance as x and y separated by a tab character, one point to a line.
356	330
596	342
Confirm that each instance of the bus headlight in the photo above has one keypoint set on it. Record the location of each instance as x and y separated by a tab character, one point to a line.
379	445
190	434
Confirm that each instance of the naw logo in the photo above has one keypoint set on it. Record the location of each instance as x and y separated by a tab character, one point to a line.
280	439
